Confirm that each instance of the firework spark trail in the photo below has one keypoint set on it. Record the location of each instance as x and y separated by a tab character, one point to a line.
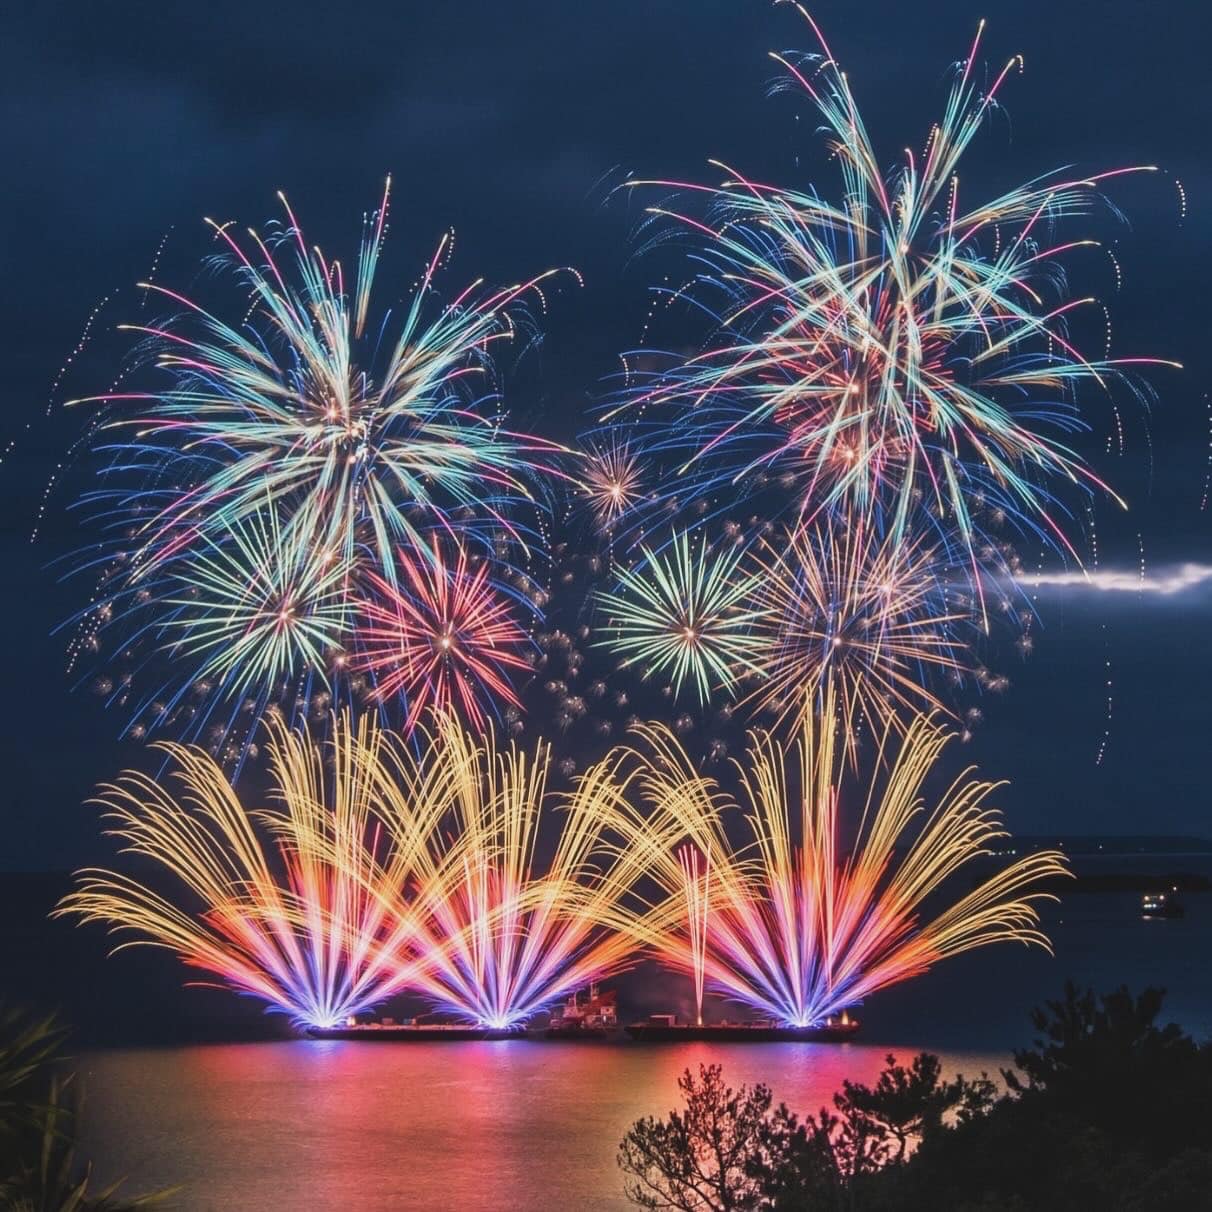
389	870
802	925
685	612
304	921
896	344
696	872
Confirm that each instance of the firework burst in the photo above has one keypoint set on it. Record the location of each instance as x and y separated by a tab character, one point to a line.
798	924
498	939
288	904
613	482
300	403
685	613
869	623
443	635
898	345
251	605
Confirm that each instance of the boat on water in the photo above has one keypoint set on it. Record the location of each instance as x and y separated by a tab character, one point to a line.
1162	904
665	1029
596	1018
387	1030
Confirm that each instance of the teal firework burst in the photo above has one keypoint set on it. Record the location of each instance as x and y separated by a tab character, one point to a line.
254	605
685	612
376	431
894	341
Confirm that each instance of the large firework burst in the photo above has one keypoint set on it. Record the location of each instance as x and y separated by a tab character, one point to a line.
795	922
370	435
896	345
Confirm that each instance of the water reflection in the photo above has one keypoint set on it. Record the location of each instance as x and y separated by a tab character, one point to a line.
506	1125
517	1125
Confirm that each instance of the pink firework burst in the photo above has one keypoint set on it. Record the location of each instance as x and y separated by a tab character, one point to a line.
444	636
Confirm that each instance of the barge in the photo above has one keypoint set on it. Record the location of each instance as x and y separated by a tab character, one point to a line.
665	1029
389	1031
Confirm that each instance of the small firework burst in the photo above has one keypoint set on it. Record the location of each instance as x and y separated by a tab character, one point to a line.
866	619
613	482
685	613
444	636
252	605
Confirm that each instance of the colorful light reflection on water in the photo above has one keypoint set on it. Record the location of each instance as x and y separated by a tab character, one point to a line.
324	1125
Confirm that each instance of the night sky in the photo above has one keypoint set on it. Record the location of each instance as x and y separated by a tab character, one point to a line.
124	122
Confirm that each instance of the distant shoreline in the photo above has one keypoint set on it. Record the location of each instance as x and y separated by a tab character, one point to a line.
1131	881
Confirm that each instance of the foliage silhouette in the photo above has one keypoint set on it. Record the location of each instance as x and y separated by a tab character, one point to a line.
1107	1110
40	1166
